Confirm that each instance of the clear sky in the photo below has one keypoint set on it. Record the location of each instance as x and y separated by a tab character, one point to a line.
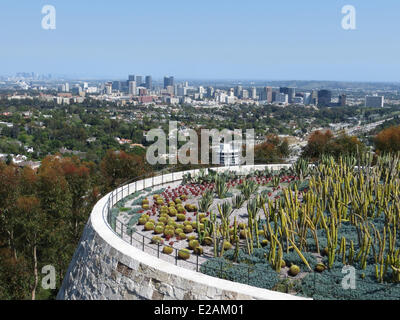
205	39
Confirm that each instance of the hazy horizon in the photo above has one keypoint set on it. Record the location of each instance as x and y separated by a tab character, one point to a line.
257	40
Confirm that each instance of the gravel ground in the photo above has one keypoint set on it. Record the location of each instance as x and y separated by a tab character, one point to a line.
141	236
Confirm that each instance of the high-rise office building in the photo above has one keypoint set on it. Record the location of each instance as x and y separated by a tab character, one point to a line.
168	81
149	83
291	94
314	97
253	93
131	78
238	91
307	98
170	90
374	101
139	81
324	98
107	88
282	98
132	88
342	100
268	91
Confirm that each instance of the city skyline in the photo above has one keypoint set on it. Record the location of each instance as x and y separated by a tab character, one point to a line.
272	42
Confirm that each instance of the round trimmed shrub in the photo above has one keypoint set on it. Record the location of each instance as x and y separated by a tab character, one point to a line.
181	217
193	237
142	221
243	234
145	201
178	201
145	206
264	242
178	230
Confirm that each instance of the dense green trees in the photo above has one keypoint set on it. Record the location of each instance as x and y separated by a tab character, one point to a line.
43	212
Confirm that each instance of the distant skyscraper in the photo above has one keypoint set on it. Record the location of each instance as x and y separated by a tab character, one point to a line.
107	88
149	83
132	88
170	90
307	98
139	80
374	101
238	91
253	93
168	81
268	91
291	94
324	98
342	100
131	78
210	92
314	97
67	87
282	98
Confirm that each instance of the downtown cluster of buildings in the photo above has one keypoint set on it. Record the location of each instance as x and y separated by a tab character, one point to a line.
142	90
137	89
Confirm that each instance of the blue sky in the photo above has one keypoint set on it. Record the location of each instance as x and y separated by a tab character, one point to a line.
219	39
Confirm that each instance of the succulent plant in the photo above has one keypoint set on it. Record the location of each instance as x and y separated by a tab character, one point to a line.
159	230
156	240
193	244
184	254
167	250
188	228
294	270
149	226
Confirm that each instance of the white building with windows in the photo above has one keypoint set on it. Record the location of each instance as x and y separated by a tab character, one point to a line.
229	154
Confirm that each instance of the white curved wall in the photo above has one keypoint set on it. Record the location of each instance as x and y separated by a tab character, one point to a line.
106	267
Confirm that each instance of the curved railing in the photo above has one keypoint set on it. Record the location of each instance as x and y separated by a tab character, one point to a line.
143	242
